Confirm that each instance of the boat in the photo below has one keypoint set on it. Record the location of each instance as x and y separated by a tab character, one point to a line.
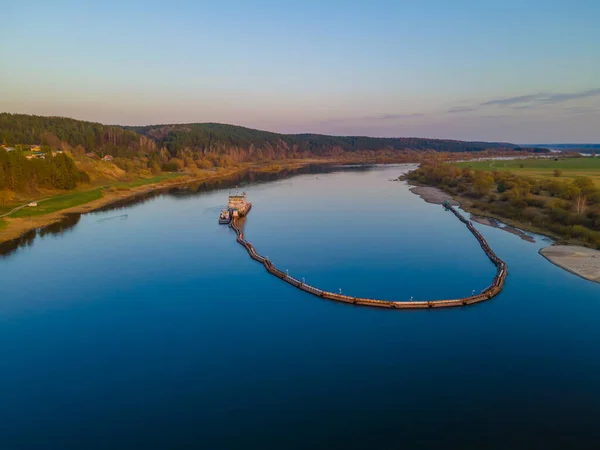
238	205
225	217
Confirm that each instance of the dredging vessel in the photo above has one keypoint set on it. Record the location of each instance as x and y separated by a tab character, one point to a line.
237	206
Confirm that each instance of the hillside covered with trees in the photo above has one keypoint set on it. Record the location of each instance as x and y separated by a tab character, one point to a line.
207	137
146	151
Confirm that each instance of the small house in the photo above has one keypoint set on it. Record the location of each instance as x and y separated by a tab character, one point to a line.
35	148
108	158
90	155
9	149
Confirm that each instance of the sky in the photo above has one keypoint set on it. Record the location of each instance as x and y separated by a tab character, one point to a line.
512	70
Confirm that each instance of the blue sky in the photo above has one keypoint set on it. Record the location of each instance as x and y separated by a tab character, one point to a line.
508	70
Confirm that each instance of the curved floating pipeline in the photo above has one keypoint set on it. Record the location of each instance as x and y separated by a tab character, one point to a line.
494	289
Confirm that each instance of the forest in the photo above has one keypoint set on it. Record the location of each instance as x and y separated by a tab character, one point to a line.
149	150
17	173
212	136
567	208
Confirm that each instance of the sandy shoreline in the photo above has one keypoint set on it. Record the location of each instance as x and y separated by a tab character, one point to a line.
581	261
494	223
433	195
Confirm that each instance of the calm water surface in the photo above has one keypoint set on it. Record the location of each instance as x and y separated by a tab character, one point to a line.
150	327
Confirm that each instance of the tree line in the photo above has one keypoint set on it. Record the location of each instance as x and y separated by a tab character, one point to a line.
17	173
101	139
208	137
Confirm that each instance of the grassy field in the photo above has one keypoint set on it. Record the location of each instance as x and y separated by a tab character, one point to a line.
144	181
59	202
65	201
3	224
543	168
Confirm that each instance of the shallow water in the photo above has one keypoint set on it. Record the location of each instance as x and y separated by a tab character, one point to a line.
150	327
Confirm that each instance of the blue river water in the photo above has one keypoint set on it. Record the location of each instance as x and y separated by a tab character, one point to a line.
148	326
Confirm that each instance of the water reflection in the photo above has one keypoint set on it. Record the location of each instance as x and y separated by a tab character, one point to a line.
194	188
27	239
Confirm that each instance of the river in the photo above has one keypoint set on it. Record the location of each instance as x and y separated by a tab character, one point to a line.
148	326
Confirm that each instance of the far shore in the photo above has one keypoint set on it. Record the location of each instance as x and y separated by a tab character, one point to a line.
14	228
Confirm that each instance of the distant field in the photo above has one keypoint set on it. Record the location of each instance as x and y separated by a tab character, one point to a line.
541	168
59	202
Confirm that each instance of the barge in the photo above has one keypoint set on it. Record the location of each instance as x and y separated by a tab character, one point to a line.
237	206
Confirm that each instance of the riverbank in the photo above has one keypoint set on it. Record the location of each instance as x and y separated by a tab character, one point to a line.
579	260
491	222
485	217
14	227
438	197
434	195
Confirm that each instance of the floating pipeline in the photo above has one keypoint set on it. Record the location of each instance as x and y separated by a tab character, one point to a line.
490	292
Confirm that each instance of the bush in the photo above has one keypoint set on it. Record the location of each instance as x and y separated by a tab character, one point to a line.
170	167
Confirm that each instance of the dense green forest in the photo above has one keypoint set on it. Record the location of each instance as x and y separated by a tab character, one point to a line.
53	131
207	136
17	173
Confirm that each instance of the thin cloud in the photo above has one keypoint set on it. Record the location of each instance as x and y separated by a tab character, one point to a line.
497	116
519	107
542	98
391	116
582	110
461	109
511	100
380	118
